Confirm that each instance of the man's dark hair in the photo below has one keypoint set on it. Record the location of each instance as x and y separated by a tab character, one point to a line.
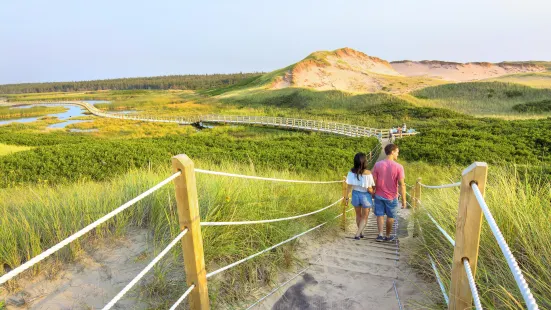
390	148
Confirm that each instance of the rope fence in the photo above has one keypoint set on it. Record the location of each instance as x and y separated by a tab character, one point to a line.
463	290
472	284
8	276
270	221
262	178
144	271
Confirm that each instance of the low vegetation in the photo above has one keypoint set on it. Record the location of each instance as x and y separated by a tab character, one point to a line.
81	157
12	113
520	203
495	141
534	107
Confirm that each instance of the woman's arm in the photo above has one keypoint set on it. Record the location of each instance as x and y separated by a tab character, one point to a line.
348	191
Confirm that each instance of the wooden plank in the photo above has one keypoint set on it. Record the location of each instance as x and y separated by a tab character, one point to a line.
467	236
192	242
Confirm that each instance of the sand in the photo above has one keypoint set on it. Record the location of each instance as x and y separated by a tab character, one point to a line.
97	275
460	72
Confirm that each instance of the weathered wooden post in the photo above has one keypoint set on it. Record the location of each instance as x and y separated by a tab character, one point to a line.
467	235
192	242
344	196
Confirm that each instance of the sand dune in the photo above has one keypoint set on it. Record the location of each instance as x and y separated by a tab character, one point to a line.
460	72
353	71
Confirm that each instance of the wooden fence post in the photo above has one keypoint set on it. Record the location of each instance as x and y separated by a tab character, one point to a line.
192	242
467	236
344	196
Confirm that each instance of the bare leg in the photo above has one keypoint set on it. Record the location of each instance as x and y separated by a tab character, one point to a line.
363	221
358	216
389	224
380	222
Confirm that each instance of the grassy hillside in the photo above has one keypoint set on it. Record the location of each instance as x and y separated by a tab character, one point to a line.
537	80
480	98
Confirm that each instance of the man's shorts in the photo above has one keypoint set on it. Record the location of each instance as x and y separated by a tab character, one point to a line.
386	206
362	199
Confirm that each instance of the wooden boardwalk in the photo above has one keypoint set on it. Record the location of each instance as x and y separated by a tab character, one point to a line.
277	122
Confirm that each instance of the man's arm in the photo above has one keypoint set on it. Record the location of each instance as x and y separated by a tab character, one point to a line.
402	184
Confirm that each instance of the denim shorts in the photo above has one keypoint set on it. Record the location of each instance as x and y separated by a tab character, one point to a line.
386	206
362	199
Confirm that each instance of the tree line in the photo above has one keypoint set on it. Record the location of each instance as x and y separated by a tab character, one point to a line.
191	81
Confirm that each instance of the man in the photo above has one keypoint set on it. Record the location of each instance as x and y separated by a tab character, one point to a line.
387	175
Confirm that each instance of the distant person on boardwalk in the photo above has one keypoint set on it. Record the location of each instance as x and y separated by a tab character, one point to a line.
404	128
388	174
400	132
360	183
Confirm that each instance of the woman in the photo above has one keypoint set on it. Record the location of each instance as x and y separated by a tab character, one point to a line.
360	183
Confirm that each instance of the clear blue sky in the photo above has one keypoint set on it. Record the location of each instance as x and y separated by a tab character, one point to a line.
64	40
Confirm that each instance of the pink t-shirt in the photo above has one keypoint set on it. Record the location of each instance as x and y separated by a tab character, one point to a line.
387	173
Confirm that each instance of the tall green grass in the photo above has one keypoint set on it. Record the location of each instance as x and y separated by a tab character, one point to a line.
520	204
34	218
483	98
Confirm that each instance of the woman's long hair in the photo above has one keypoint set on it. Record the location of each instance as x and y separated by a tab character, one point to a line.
360	164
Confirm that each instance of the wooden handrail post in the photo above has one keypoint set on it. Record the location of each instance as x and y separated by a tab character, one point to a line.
467	235
344	196
192	242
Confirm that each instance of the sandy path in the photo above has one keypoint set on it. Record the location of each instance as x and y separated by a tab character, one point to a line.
350	274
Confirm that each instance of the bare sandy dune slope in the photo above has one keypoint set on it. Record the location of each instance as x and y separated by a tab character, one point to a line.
460	72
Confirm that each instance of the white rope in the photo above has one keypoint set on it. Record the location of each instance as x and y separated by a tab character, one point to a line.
472	284
344	212
441	186
268	221
262	252
144	271
442	288
511	261
83	231
261	178
442	230
179	301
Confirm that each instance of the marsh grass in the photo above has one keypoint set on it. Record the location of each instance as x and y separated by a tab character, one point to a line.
480	98
34	218
520	204
9	113
6	149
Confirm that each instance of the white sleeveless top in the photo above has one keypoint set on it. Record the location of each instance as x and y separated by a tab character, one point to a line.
362	184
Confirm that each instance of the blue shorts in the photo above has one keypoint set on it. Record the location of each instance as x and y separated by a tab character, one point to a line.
386	206
362	199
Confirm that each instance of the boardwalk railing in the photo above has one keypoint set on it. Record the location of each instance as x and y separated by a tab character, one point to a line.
472	207
190	231
279	122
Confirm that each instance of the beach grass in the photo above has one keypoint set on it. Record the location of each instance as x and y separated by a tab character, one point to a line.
520	203
33	218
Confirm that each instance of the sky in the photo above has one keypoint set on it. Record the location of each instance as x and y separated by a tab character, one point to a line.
68	40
